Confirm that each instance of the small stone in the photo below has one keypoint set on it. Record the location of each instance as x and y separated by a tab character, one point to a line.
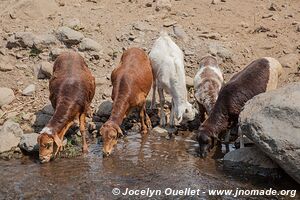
48	109
143	26
69	36
216	48
29	143
160	131
88	44
5	67
6	96
189	82
267	16
21	39
55	52
72	23
298	28
163	5
214	36
244	24
41	120
43	70
290	61
104	109
27	116
274	7
180	33
169	23
29	90
44	41
21	66
214	2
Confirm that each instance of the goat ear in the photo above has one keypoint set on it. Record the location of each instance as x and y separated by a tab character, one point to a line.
39	139
119	130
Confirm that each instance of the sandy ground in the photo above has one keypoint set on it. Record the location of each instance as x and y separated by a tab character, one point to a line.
241	30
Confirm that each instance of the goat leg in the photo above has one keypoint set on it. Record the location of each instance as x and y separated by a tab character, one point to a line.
83	132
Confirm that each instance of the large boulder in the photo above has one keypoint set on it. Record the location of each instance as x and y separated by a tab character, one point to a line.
272	121
250	161
10	134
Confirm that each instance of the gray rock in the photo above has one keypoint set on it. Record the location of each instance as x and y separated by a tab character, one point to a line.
271	121
168	23
44	41
180	33
41	120
29	90
6	96
189	81
163	5
160	131
10	134
104	109
72	23
246	140
43	70
250	161
143	26
69	36
48	109
214	2
21	39
29	143
216	48
55	52
88	44
5	67
290	61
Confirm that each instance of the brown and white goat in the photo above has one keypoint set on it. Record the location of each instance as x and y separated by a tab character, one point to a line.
207	84
131	81
259	76
72	88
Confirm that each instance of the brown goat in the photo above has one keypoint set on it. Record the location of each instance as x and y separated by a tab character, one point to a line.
72	88
131	81
259	76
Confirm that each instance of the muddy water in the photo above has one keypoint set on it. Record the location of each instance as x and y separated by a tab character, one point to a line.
137	163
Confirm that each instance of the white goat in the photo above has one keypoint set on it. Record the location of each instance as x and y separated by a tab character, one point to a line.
169	76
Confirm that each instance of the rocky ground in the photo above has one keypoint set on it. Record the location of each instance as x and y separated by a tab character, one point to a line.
34	32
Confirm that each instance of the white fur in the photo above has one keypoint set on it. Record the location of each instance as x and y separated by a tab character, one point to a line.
217	71
169	76
201	91
47	130
275	71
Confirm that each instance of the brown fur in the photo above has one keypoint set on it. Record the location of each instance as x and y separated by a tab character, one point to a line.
243	86
131	81
72	88
207	85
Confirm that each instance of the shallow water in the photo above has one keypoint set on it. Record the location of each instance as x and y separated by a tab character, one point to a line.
137	163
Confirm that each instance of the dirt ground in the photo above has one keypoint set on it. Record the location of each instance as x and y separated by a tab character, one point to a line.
236	31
